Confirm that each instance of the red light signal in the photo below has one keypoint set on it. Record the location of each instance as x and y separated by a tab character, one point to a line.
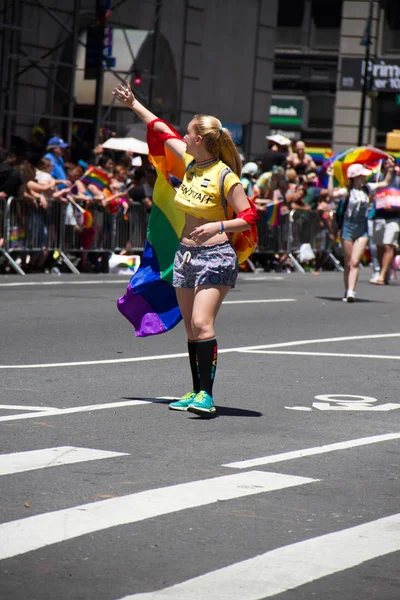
137	79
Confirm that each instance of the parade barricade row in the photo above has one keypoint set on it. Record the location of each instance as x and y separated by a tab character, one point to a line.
28	231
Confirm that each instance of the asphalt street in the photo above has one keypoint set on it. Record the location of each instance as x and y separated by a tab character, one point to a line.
291	491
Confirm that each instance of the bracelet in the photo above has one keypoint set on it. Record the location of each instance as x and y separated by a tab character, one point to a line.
222	228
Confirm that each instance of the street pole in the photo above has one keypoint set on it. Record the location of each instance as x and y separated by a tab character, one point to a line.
98	101
71	89
366	81
156	34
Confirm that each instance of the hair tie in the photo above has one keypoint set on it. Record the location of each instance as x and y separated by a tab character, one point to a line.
220	129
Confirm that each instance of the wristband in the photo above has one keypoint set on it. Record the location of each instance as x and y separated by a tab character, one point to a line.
222	228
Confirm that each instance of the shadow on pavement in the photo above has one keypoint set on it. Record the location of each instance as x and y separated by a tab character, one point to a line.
358	300
222	411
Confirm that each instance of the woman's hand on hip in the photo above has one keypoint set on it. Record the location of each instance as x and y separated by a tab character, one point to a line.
205	232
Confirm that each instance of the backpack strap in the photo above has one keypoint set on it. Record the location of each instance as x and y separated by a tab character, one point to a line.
225	171
190	165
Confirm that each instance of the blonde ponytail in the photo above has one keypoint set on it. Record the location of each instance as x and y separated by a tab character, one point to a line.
218	141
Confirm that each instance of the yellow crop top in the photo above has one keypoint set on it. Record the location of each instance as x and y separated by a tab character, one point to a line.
199	194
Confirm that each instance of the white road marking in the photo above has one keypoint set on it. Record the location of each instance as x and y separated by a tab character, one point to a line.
19	462
275	458
75	409
64	282
334	354
289	567
124	280
220	351
347	402
265	301
25	535
21	407
357	408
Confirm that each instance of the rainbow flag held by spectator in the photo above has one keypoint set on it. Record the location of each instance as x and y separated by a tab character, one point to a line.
97	177
364	155
273	214
150	303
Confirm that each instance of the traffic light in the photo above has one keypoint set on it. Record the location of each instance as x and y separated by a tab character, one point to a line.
103	10
137	78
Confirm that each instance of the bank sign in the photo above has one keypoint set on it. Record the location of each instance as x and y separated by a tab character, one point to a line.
384	75
286	111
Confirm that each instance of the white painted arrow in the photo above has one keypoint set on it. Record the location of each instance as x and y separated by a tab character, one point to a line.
356	407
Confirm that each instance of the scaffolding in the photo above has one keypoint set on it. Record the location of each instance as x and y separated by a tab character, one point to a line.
39	41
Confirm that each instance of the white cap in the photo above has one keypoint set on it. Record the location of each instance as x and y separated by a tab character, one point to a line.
356	170
279	139
249	168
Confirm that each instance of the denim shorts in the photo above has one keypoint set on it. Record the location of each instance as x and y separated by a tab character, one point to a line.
354	228
213	265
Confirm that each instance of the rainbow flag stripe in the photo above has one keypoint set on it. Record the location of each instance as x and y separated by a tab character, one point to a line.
273	214
96	177
365	155
150	303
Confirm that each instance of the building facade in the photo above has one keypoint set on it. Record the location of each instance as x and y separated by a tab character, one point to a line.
261	66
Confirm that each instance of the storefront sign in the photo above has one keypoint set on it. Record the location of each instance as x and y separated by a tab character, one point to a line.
384	74
286	111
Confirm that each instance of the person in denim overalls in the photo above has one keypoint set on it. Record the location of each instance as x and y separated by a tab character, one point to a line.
354	234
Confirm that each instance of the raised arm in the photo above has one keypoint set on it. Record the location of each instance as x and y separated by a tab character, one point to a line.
125	95
389	167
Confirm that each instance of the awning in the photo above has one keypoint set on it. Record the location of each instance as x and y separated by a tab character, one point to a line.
128	144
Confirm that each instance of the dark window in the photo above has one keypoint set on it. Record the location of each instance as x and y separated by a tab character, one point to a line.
391	27
388	113
326	20
326	14
290	13
290	20
320	111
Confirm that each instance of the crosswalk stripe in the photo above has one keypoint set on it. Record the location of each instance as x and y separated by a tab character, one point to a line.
39	531
51	412
19	462
274	458
289	567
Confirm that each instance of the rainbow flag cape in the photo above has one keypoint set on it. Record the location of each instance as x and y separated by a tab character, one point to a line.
97	177
365	155
273	214
150	303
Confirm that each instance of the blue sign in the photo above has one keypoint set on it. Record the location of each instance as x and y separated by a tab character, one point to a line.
236	131
108	41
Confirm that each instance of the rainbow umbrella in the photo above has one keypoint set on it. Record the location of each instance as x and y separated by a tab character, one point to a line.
364	155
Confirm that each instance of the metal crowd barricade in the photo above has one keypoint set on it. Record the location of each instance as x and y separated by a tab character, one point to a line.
305	228
295	228
32	230
26	229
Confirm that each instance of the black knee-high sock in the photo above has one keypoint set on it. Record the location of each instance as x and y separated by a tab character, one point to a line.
192	349
207	352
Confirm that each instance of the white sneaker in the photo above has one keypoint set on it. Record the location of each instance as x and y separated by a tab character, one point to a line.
351	296
374	277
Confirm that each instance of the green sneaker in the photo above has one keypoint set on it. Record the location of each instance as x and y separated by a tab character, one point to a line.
202	405
184	402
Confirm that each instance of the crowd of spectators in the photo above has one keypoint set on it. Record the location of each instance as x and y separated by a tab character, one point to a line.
45	182
46	179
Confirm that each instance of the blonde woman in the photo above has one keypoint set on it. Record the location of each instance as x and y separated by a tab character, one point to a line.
205	265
